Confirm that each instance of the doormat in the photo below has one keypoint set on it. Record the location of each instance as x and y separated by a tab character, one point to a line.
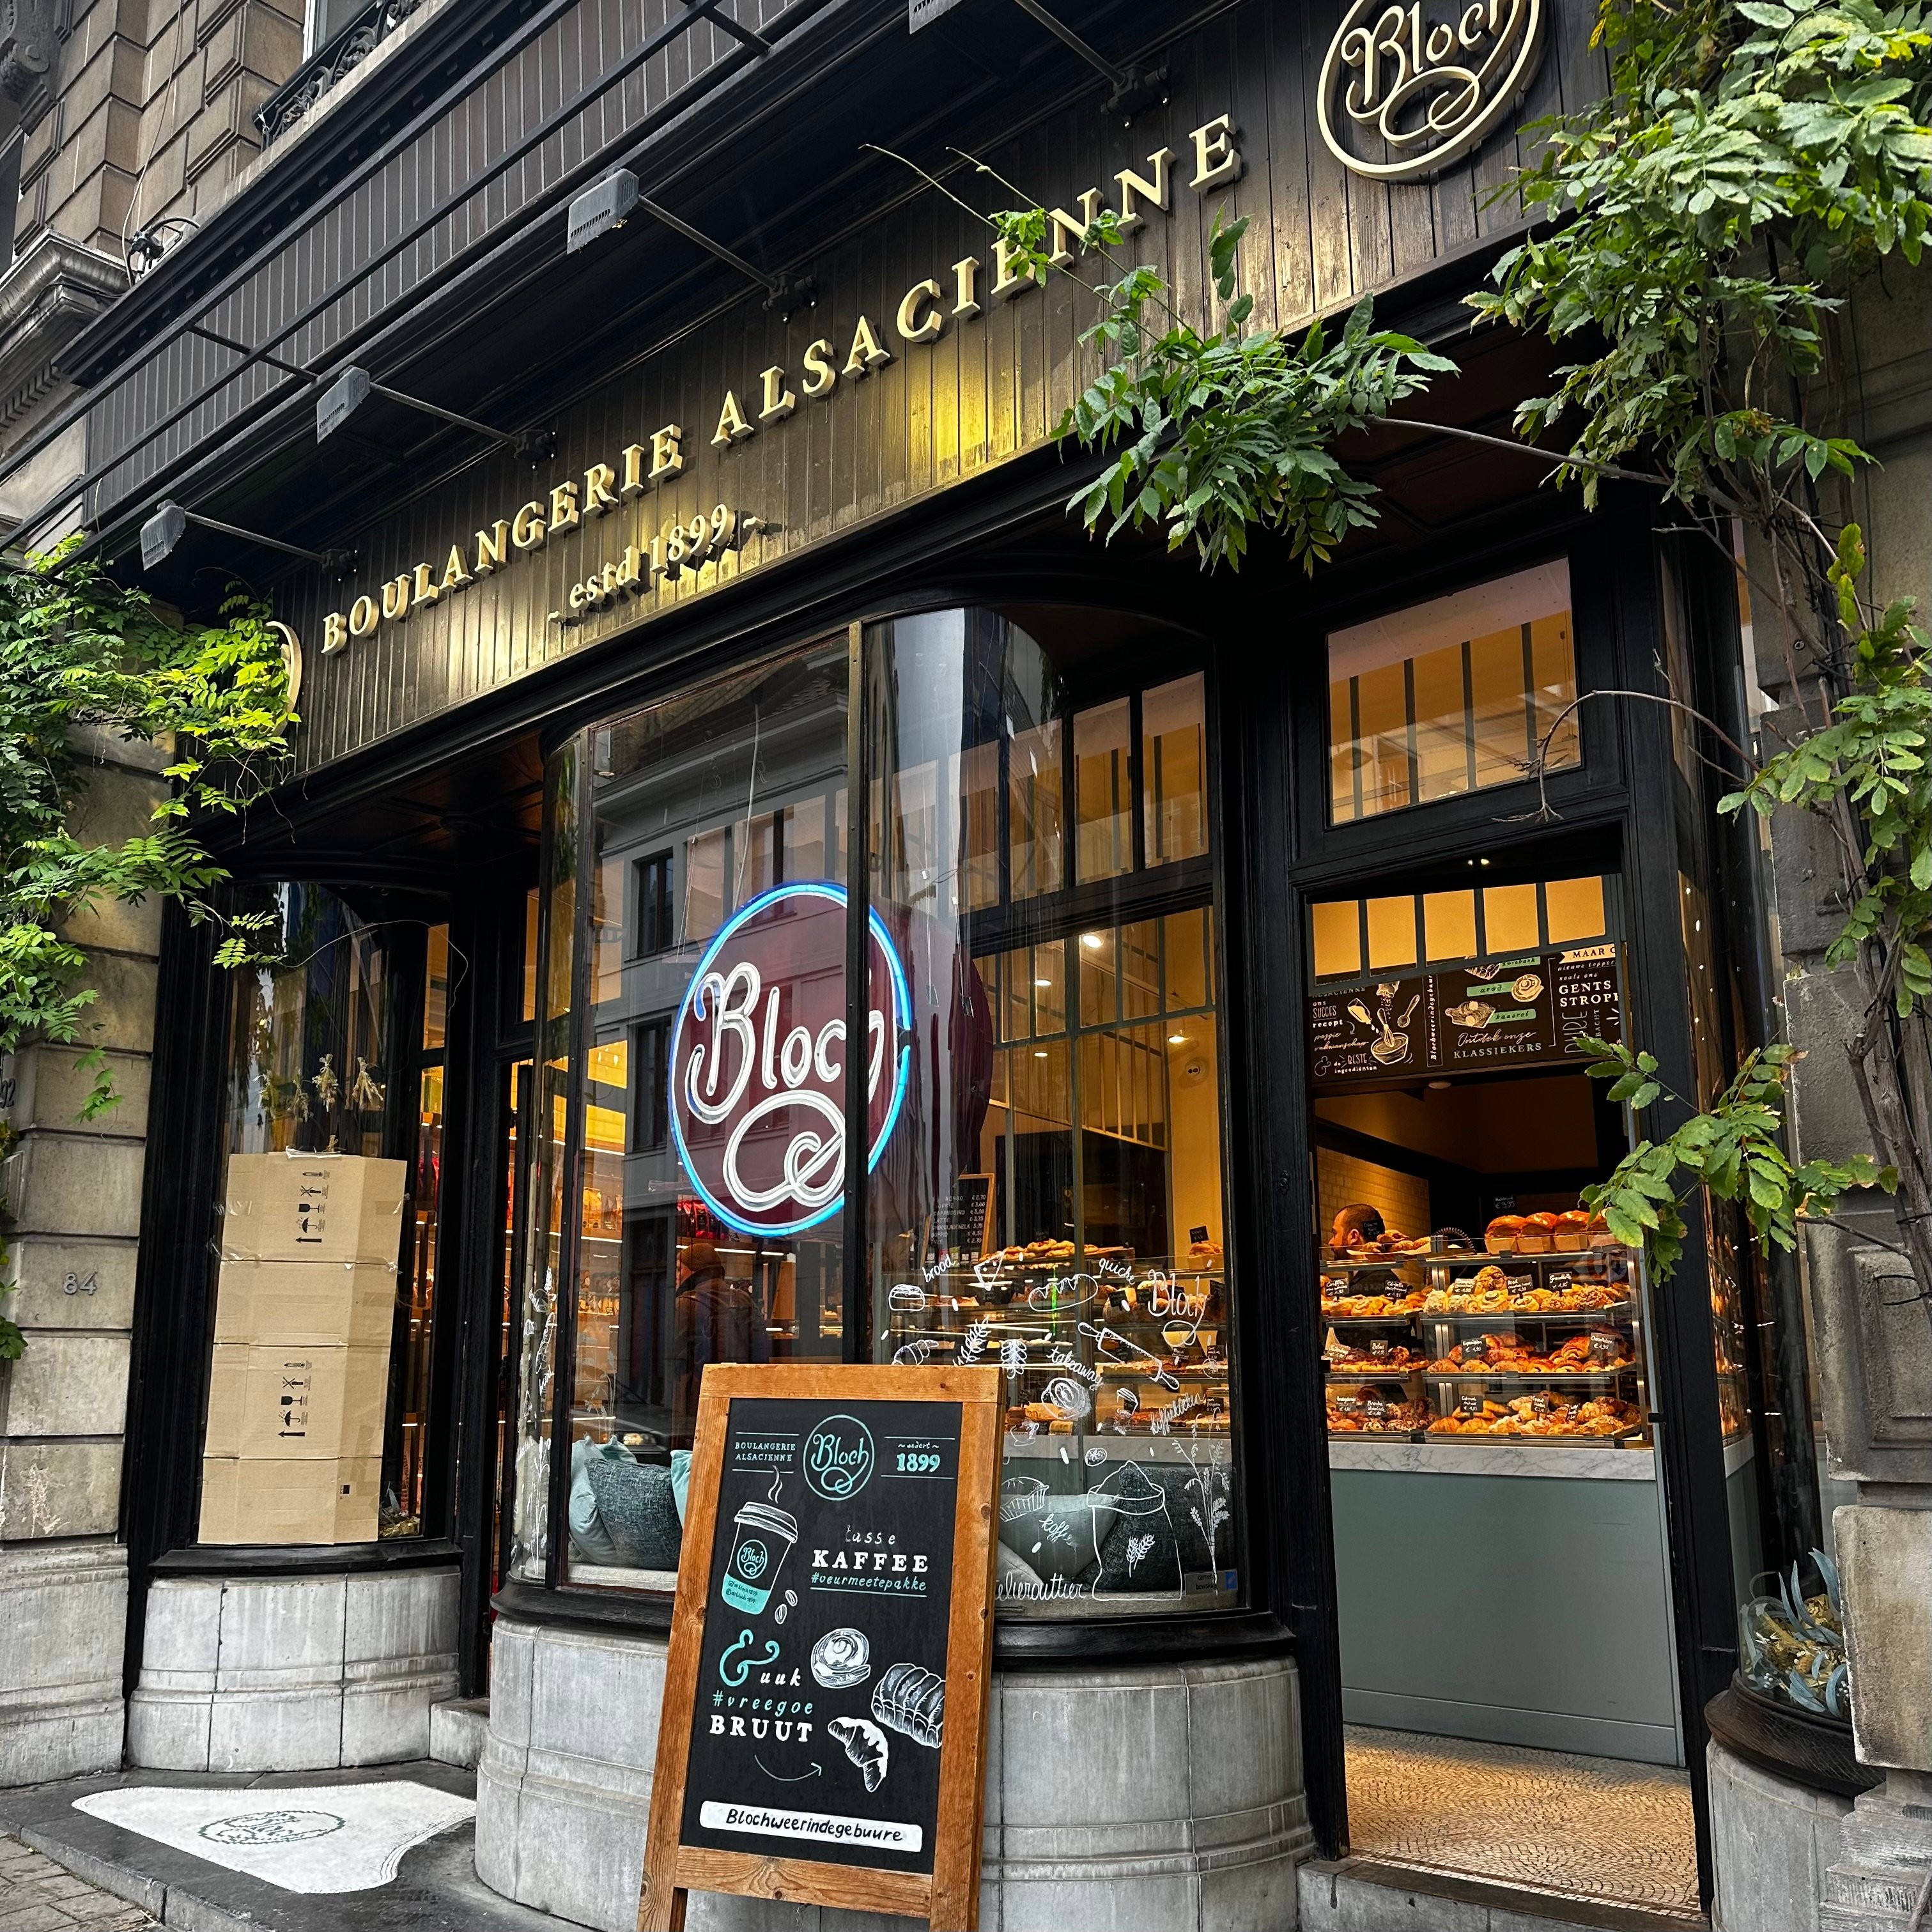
326	1838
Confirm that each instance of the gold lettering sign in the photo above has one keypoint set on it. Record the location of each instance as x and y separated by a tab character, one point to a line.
949	299
1417	91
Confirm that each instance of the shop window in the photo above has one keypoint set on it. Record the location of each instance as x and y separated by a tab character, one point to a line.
526	980
1451	696
644	1264
1037	808
1053	1200
1349	936
654	928
1043	1096
1103	788
317	1428
650	1113
1174	768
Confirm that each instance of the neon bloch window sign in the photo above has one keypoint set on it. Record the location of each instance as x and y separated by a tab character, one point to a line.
758	1059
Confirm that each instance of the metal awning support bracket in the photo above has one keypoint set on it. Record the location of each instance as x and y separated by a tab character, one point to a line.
168	524
598	210
1133	88
354	386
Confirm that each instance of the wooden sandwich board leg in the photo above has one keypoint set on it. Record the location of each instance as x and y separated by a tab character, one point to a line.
661	1907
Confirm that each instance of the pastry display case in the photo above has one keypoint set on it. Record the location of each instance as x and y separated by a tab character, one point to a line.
1101	1342
1535	1334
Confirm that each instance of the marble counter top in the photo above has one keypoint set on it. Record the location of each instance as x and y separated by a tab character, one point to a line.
1494	1458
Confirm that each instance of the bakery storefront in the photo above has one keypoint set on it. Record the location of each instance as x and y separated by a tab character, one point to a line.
781	892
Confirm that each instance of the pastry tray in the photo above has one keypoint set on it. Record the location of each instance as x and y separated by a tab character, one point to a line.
1467	1257
1614	1311
1539	1377
1622	1439
1376	1435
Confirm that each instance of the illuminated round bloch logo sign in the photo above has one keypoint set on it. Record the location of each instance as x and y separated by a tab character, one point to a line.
839	1458
758	1055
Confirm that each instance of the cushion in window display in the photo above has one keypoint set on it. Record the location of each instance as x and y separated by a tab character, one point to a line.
1015	1573
1056	1529
1163	1511
637	1507
590	1540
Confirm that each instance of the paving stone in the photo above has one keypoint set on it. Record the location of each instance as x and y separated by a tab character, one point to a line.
37	1895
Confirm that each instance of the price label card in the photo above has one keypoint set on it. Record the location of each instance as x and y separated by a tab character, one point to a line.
1605	1345
1379	1347
1476	1349
1470	1404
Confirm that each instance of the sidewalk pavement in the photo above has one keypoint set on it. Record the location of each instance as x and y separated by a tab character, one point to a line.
37	1895
65	1865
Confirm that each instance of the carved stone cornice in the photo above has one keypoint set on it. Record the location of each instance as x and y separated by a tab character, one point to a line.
47	298
31	34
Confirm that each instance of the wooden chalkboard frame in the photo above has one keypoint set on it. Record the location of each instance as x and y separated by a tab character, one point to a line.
950	1899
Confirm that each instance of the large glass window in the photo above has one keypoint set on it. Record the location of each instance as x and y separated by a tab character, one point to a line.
1052	1202
317	1425
692	1055
1452	695
1035	1069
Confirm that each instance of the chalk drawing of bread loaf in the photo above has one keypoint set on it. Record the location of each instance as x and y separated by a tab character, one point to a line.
911	1700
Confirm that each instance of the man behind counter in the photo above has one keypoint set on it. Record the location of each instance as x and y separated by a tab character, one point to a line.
1355	1226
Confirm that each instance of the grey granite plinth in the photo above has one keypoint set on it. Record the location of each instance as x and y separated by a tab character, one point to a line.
292	1673
63	1628
1881	1879
1772	1843
1117	1800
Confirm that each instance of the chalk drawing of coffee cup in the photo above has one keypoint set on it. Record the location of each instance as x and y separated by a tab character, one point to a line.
764	1538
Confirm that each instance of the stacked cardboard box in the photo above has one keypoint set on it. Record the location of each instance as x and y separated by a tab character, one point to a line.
303	1317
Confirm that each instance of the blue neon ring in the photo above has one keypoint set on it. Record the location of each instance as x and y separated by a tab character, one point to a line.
902	999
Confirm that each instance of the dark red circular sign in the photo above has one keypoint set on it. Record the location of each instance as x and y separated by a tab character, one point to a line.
757	1060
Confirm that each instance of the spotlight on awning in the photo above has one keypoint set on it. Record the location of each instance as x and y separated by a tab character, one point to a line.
165	528
598	210
354	386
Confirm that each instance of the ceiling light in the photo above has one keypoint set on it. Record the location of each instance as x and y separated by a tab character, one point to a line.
1177	1039
1089	939
1042	982
1439	1086
1040	1053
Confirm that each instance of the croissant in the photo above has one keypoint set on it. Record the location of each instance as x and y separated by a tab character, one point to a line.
911	1700
865	1745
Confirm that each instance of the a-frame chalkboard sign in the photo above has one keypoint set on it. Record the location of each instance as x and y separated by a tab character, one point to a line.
824	1731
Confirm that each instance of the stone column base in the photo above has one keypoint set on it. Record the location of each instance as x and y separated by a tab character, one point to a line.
292	1673
1771	1842
63	1638
1170	1794
1885	1861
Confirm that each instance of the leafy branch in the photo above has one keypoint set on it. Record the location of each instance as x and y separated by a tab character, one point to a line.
1733	1146
80	654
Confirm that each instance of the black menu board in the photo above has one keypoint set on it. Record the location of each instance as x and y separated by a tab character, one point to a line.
959	1222
822	1680
1524	1011
1371	1031
824	1725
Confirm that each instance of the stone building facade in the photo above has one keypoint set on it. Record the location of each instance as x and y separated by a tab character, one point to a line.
120	119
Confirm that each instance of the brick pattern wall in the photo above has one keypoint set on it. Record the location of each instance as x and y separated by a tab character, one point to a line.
1342	1179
